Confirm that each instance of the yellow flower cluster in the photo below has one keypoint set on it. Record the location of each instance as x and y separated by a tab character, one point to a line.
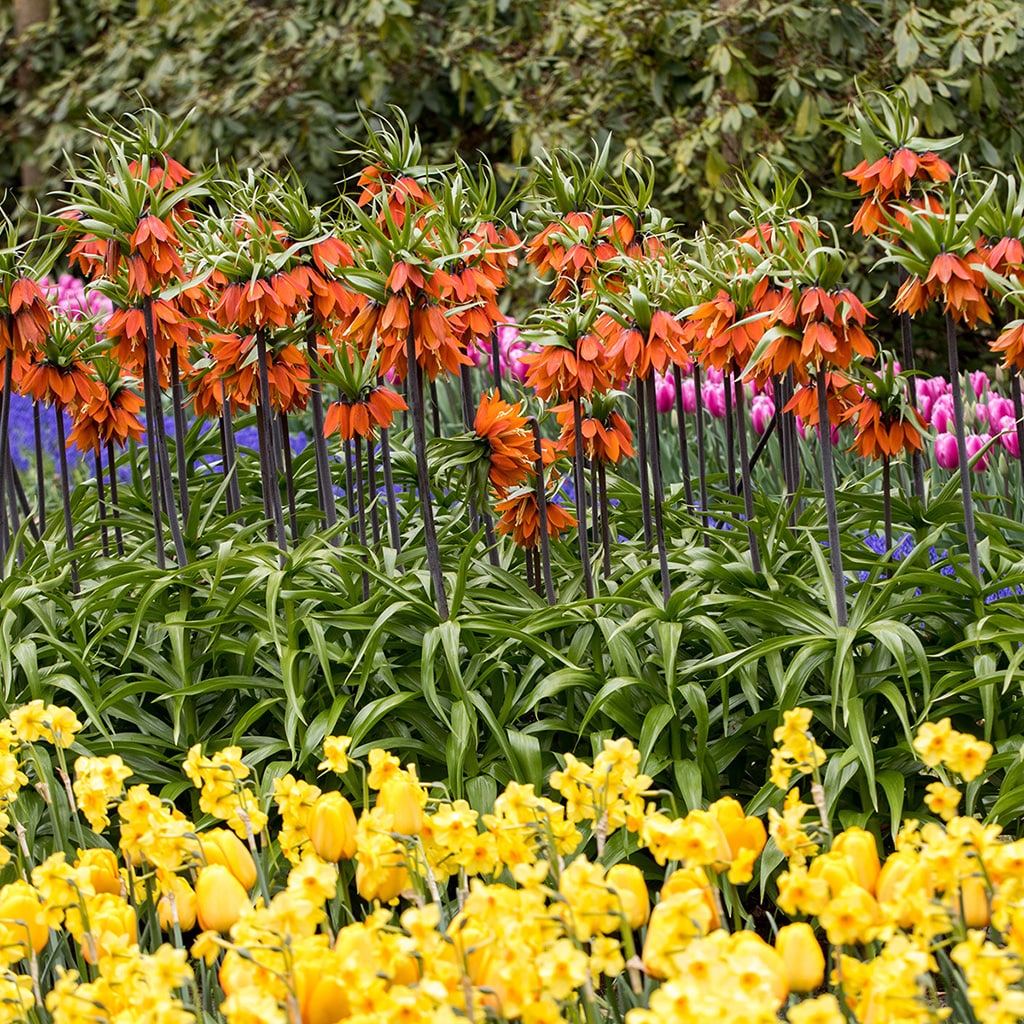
940	744
499	916
797	751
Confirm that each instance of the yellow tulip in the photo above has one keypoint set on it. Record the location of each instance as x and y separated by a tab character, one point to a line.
402	799
741	832
683	880
220	898
111	921
837	870
802	955
973	902
628	881
222	846
101	869
332	827
861	850
184	907
22	921
382	884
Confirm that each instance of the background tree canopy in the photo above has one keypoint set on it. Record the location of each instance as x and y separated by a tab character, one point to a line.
698	87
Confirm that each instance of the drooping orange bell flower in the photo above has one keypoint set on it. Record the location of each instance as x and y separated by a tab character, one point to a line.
126	328
607	441
553	250
890	177
830	328
111	416
887	181
61	385
723	336
520	516
167	176
1003	256
633	353
417	301
1011	344
957	280
403	194
265	302
843	394
362	418
287	372
569	372
153	258
881	434
29	319
510	443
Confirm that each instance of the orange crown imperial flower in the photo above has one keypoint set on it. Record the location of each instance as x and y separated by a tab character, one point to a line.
362	418
960	283
25	326
510	443
606	438
576	371
882	434
109	417
520	517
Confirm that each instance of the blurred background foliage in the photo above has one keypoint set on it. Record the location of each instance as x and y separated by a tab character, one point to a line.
698	87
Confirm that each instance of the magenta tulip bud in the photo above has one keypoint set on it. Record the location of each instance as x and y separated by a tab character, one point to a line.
945	451
762	409
714	399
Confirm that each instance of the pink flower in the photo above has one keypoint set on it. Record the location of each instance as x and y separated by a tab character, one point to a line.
975	442
689	395
714	399
945	451
1000	414
762	409
942	413
664	392
1008	439
979	381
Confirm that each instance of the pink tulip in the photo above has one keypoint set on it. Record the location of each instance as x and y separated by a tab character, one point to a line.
975	442
714	399
689	395
1008	439
762	409
1000	414
664	392
942	413
979	381
945	451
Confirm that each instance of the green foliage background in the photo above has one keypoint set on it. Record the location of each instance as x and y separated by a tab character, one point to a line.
697	86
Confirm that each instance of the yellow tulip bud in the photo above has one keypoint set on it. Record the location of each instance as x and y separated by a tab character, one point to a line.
384	884
101	870
675	921
111	921
861	850
332	827
183	907
220	898
402	800
222	846
973	902
683	880
628	881
802	955
836	869
327	1001
741	832
22	921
